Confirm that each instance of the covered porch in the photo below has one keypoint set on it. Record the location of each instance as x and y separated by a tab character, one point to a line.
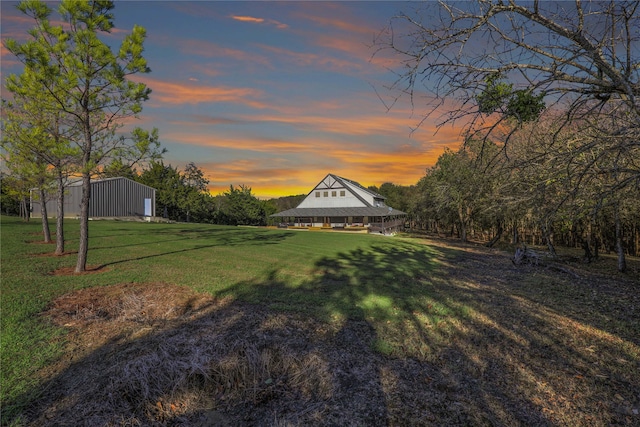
375	219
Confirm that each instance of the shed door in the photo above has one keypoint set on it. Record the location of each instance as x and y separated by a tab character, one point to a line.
147	207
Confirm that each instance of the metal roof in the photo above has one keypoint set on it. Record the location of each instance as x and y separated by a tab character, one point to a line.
333	212
78	182
360	186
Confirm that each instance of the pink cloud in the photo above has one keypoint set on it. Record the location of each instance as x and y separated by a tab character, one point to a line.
315	60
208	49
346	25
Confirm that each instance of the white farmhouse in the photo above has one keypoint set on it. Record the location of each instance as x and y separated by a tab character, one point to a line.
339	203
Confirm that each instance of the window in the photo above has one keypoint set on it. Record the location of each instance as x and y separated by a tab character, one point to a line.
326	194
341	193
333	194
317	194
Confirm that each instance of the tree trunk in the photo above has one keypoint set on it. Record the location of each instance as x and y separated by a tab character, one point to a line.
622	262
463	232
588	256
87	149
83	248
637	239
45	216
548	238
463	224
496	237
24	209
60	217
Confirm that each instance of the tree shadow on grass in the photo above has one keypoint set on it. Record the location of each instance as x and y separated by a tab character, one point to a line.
228	234
394	334
232	237
495	354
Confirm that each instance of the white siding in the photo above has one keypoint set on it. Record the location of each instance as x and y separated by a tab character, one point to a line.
347	201
330	189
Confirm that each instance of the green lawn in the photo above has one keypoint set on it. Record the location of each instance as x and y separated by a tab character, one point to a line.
452	332
331	276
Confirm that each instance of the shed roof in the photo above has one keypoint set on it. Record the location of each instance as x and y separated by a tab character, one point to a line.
78	182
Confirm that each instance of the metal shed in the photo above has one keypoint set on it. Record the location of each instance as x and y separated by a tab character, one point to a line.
110	198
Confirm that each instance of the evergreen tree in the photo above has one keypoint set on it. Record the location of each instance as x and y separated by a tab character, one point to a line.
89	84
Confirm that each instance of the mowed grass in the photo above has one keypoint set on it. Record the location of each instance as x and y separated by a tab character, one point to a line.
486	342
330	276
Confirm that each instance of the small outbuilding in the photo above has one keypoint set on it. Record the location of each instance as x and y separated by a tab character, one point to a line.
339	203
110	198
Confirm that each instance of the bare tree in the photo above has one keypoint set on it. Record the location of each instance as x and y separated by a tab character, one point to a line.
491	65
581	51
579	57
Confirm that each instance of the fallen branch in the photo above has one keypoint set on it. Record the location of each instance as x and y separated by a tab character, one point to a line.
525	255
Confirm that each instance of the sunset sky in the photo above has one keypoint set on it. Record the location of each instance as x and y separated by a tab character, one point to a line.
270	95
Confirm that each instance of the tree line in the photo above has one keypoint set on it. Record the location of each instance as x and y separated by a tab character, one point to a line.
549	99
184	196
474	193
181	195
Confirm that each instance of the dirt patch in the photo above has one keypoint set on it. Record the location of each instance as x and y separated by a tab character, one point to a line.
535	347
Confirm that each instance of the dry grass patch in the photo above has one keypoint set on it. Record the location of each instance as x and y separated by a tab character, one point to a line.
153	354
475	341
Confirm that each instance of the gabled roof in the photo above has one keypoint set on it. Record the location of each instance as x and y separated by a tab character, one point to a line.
351	194
357	201
357	185
332	181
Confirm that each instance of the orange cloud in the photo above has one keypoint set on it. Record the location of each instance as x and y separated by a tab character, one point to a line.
256	144
274	180
281	180
247	19
177	94
252	19
295	167
344	124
